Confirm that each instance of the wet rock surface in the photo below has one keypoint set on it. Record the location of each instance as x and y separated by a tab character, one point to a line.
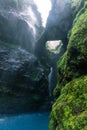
23	85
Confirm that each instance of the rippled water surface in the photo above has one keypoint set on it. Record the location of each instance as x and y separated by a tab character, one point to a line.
36	121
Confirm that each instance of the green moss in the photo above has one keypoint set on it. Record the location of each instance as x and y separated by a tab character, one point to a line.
77	47
79	30
76	5
82	9
69	112
57	90
62	60
62	68
74	62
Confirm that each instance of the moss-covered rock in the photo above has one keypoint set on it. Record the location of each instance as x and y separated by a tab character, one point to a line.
73	63
69	112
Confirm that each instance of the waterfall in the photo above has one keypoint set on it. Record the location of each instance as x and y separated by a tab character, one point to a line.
23	25
21	73
50	87
52	80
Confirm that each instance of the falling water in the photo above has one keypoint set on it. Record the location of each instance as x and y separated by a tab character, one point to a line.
23	25
50	81
19	68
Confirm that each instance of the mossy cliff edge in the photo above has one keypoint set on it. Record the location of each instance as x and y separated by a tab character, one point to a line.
69	111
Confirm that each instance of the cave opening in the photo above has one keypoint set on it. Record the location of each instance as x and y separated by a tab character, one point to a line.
54	46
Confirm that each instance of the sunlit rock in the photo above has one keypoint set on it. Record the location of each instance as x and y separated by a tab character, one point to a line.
22	25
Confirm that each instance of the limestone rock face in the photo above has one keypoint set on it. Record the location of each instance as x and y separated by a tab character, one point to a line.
22	81
20	23
59	20
23	84
58	24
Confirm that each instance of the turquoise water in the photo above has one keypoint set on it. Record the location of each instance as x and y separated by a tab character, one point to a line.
36	121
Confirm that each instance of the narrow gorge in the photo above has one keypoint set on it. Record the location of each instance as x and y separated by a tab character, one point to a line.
43	68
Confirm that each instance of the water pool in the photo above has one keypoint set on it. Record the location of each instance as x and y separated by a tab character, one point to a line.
36	121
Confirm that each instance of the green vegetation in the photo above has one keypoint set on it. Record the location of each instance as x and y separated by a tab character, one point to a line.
73	63
75	5
69	112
